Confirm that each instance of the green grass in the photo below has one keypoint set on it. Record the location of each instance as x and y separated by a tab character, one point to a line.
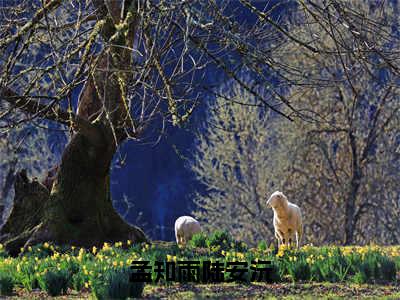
306	272
276	291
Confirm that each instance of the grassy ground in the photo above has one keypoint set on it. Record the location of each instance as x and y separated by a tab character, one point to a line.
301	274
253	291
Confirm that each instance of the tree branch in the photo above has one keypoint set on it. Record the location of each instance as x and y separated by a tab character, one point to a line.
38	16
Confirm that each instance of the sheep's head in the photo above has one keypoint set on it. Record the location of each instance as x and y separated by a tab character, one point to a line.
277	200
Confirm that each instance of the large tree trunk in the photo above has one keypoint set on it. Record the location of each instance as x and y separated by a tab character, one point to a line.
26	213
81	195
78	210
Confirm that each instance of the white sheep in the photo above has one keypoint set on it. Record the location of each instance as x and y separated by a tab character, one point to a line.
185	228
287	219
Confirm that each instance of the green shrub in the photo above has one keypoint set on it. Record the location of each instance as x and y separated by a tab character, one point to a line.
55	282
298	269
240	246
26	277
116	284
39	251
387	269
3	252
274	273
198	240
221	239
262	246
317	272
375	266
78	281
6	284
359	278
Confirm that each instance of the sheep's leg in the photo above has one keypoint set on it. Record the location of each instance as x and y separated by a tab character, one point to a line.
299	235
288	240
290	237
279	238
285	239
183	240
179	239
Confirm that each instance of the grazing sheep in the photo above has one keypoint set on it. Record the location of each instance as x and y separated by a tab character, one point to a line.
185	228
287	219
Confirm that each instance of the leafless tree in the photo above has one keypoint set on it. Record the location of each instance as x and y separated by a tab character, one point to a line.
237	160
346	160
339	159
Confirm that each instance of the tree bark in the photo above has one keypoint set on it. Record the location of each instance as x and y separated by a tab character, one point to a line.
8	184
26	213
78	210
81	195
350	206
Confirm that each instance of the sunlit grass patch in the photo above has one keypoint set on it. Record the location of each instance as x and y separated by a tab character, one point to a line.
62	269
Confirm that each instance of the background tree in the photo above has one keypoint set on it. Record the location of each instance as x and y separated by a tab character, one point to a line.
346	162
238	159
339	159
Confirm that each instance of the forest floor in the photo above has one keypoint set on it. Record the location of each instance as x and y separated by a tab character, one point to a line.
243	291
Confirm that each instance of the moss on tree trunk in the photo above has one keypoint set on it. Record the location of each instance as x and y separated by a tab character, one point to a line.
79	209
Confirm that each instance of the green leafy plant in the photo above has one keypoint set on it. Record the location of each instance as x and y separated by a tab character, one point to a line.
78	281
262	245
298	270
219	238
199	240
116	284
25	275
6	284
359	278
387	269
55	282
